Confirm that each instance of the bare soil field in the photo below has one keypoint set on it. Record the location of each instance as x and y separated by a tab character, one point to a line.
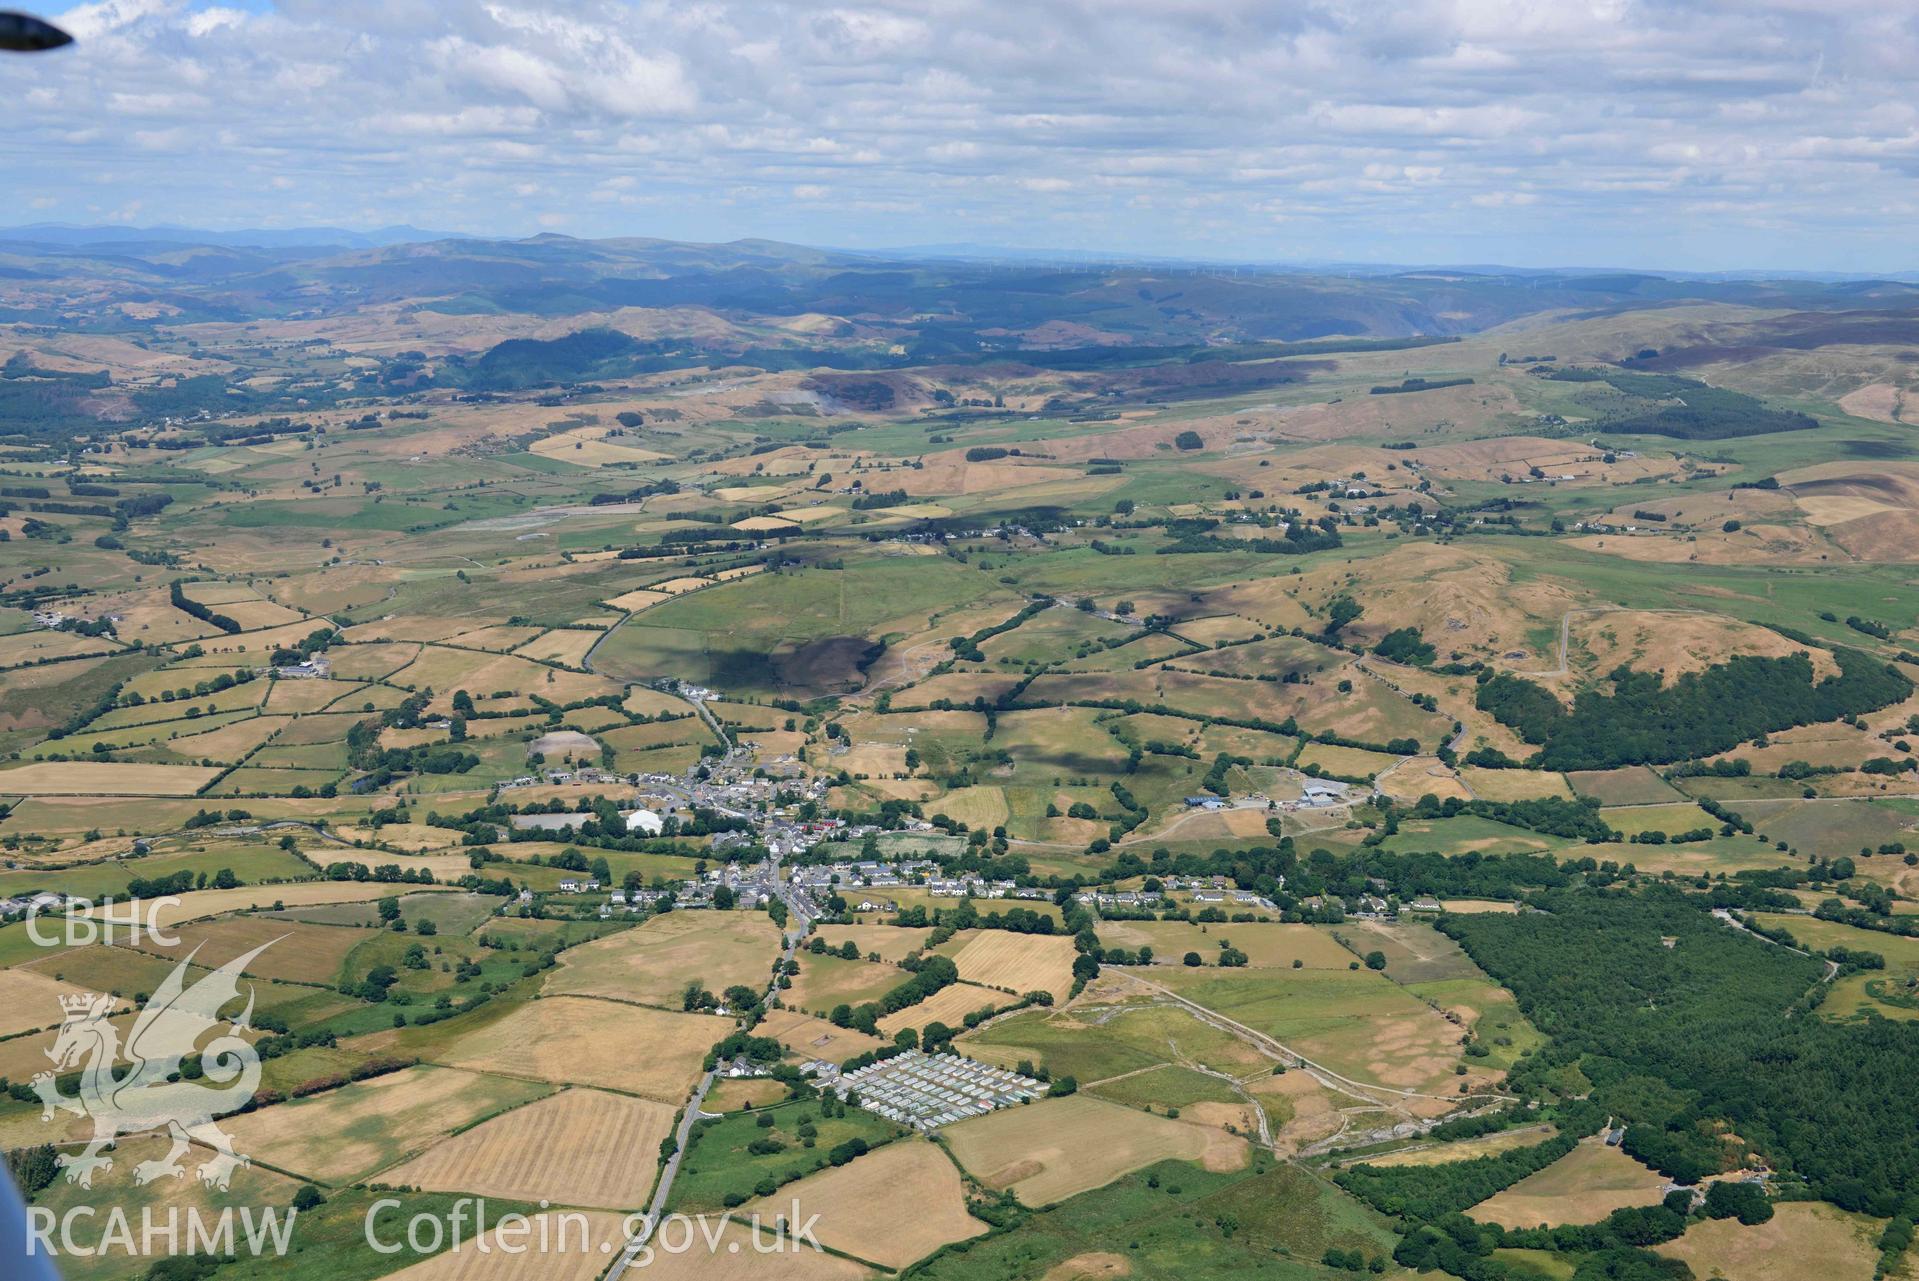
1058	1148
575	1148
890	1207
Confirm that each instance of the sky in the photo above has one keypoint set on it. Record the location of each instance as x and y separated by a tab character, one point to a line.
1661	134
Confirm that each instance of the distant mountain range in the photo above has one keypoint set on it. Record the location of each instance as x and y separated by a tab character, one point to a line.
68	235
786	305
60	233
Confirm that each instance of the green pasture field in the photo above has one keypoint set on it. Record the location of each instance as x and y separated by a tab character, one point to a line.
1098	1043
1336	1017
451	914
1176	1222
1770	595
1158	1089
1891	993
1670	819
1631	785
717	1162
1831	827
1468	834
253	865
28	710
826	981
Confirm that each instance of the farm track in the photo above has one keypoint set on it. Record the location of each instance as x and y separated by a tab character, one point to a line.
1274	1048
1565	629
1832	967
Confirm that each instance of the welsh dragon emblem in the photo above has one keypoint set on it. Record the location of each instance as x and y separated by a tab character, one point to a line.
151	1094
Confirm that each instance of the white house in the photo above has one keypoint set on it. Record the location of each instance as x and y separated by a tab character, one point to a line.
644	821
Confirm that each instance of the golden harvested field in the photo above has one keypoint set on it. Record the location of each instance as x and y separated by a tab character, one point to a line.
1347	762
1467	906
29	1000
36	646
1584	1186
1514	784
583	1041
561	1245
1803	1240
1420	776
815	1038
196	904
1466	1149
1058	1148
1019	962
653	963
364	1127
1266	945
890	1207
891	942
578	1147
564	645
950	1005
637	599
106	779
300	953
231	742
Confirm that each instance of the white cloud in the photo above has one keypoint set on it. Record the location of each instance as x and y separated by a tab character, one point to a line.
1599	129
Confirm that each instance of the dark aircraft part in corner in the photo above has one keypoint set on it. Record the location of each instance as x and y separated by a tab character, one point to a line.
24	33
